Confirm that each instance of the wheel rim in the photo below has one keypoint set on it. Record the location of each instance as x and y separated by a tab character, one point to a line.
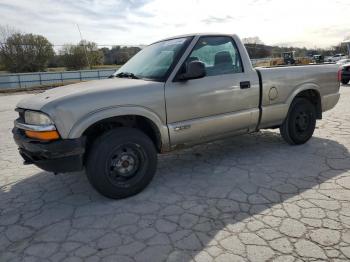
124	163
303	121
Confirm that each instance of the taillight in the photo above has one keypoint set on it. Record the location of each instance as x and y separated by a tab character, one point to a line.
339	74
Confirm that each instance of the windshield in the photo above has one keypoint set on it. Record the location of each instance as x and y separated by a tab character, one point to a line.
154	61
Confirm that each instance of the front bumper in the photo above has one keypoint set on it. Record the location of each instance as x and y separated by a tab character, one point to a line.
59	156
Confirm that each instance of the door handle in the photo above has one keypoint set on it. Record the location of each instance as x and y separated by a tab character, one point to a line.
244	84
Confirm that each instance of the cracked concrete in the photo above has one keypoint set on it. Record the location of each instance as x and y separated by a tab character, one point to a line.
247	198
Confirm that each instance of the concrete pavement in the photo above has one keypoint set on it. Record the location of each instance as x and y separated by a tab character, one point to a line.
247	198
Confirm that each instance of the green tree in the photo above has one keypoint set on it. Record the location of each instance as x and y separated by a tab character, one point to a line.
73	57
81	56
94	54
24	52
118	54
55	61
2	67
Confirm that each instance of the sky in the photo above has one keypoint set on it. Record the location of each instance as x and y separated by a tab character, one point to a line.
310	23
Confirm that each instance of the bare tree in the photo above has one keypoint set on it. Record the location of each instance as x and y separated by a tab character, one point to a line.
5	33
252	40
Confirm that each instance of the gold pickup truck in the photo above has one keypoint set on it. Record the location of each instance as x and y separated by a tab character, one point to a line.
174	93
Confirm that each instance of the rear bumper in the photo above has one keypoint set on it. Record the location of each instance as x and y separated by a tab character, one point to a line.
65	155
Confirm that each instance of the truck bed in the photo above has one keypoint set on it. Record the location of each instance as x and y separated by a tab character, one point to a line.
278	85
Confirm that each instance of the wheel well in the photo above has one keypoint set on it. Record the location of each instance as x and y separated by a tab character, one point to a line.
314	97
134	121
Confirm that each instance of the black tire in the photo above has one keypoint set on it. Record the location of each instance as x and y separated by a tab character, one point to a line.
121	162
344	82
300	123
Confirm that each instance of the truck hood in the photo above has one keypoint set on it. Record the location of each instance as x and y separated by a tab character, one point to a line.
69	92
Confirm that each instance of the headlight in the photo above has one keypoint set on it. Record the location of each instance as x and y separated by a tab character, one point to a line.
36	118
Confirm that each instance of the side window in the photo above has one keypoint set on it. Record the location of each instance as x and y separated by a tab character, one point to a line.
219	54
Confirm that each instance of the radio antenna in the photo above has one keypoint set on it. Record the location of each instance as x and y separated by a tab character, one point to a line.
85	51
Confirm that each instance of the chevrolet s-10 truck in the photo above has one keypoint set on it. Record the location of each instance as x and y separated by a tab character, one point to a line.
174	93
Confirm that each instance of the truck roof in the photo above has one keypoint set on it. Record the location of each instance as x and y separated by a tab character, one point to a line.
196	34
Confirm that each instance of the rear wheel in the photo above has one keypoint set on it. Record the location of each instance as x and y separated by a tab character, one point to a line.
121	163
300	123
344	81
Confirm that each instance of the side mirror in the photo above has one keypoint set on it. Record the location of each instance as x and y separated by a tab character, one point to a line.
194	70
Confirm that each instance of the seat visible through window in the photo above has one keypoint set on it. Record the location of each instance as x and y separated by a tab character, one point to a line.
223	63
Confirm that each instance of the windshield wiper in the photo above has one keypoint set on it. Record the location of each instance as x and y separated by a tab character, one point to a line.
127	75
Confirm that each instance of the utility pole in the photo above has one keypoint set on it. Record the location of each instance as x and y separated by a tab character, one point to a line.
85	51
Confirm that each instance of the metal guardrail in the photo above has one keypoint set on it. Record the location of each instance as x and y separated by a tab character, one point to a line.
23	80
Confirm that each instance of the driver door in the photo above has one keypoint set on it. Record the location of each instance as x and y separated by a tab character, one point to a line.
222	103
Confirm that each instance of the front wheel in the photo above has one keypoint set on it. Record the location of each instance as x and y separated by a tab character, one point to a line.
300	123
121	162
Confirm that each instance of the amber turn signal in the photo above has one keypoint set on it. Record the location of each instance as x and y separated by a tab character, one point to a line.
43	135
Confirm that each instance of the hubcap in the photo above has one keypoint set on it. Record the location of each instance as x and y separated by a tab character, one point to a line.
124	162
